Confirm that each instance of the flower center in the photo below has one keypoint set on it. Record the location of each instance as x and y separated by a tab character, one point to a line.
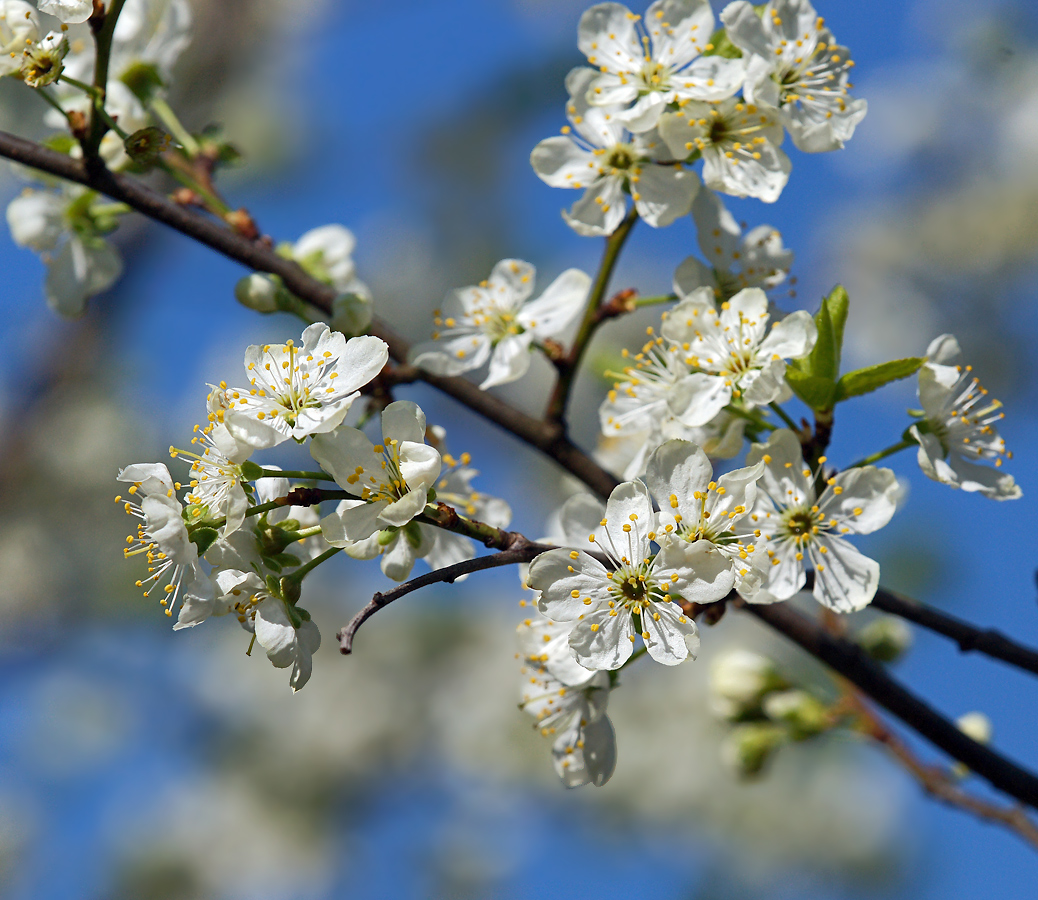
621	158
654	76
801	524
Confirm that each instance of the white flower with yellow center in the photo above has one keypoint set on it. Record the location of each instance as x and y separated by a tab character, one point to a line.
42	62
284	631
496	321
796	524
296	391
734	260
739	142
654	62
739	359
638	596
794	64
706	519
19	28
958	429
392	478
574	716
163	538
600	157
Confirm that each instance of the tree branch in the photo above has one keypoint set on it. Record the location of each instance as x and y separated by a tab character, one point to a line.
969	638
852	663
523	551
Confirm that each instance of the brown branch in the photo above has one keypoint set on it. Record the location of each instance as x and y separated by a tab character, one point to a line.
968	637
522	551
853	663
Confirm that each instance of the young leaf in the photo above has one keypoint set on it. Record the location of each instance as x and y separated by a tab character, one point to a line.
816	392
838	304
865	381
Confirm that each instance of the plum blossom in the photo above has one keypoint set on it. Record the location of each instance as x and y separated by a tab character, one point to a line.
737	357
599	156
654	62
957	431
71	12
793	63
611	607
66	229
739	142
163	538
795	523
42	62
572	712
19	28
496	321
392	479
296	391
283	630
705	519
734	260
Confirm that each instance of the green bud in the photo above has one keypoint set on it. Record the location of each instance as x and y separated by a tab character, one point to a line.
385	538
291	589
749	747
258	292
413	534
143	79
351	314
146	145
250	471
431	496
805	715
739	680
203	538
885	639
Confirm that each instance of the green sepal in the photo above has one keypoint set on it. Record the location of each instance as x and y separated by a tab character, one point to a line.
62	143
273	586
385	538
286	560
271	563
291	590
203	538
816	392
723	46
413	534
143	80
250	471
871	378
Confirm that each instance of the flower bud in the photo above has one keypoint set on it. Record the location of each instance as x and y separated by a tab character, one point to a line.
805	715
257	292
749	747
351	314
886	639
975	725
738	681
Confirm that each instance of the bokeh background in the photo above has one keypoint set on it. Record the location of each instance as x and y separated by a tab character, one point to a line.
136	764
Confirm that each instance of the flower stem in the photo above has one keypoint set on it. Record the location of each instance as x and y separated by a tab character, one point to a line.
262	508
103	43
299	574
882	454
784	416
165	114
310	476
639	302
755	420
76	83
568	367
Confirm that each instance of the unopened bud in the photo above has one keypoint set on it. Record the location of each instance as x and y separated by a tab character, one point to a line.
749	747
351	314
885	639
739	680
257	292
805	715
977	726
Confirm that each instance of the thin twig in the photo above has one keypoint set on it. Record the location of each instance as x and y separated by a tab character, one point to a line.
524	551
853	663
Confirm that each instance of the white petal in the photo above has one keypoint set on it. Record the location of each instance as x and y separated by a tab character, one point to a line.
360	522
556	574
629	505
452	356
561	162
403	420
845	580
791	338
341	453
664	193
692	274
402	511
678	469
599	211
673	637
609	645
510	283
644	115
510	360
607	36
561	303
866	502
398	558
705	574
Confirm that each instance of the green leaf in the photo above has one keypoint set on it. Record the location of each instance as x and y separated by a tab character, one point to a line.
865	381
816	392
721	45
250	471
838	304
823	361
203	538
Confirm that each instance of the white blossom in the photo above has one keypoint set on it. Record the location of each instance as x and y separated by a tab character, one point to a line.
71	12
599	156
60	226
734	260
794	64
706	520
737	357
496	321
163	538
958	429
572	714
796	524
739	142
611	607
654	62
284	631
42	62
296	391
739	679
392	478
19	28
